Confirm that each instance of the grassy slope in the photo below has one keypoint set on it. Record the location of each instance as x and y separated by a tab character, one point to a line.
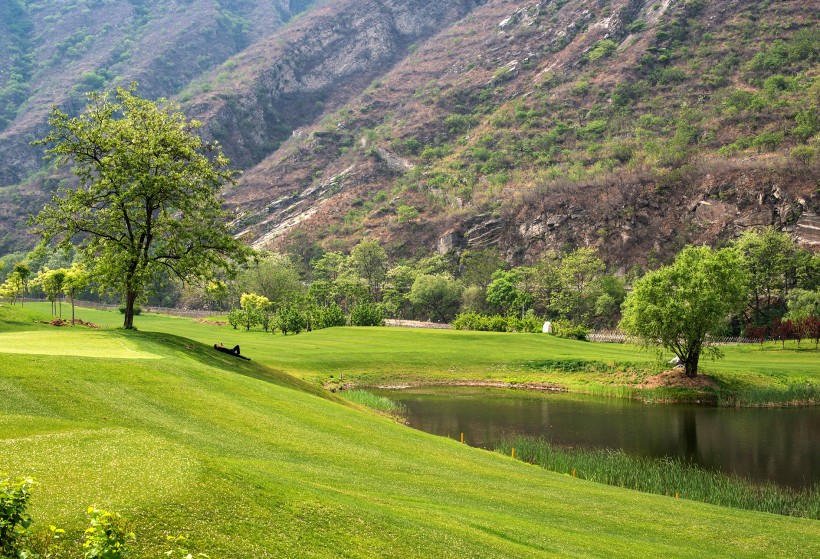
255	468
384	355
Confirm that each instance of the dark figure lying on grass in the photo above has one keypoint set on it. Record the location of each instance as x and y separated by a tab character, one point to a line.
234	351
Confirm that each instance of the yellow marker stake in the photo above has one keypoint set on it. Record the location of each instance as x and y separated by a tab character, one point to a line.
462	437
573	472
676	495
513	452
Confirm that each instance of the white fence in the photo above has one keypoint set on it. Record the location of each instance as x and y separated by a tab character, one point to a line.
417	324
618	337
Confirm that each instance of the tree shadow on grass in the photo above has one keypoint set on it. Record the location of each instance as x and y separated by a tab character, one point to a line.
208	356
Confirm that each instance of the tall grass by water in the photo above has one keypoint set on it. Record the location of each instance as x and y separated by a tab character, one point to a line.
805	393
664	476
372	401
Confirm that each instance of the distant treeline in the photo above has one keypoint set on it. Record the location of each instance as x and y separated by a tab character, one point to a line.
475	289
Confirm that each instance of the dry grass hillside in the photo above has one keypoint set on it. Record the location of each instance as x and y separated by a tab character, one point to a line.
632	125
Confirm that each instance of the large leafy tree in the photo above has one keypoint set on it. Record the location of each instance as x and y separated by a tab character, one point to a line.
369	260
274	276
678	306
147	198
438	295
509	290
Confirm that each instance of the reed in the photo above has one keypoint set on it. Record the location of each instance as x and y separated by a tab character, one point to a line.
804	393
372	401
665	476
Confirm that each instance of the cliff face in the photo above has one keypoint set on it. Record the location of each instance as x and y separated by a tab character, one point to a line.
291	78
545	125
633	125
60	52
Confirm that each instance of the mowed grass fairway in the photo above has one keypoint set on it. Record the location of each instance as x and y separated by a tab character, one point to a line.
251	462
400	355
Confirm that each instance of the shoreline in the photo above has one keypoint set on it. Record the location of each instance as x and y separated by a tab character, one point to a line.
656	395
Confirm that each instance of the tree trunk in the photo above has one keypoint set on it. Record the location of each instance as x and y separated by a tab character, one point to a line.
72	311
130	299
691	364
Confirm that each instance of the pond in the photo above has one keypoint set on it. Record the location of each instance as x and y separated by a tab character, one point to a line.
778	445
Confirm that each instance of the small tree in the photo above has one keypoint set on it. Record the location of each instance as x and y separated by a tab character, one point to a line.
215	294
783	330
76	279
678	306
804	314
51	282
12	288
290	319
369	260
235	317
255	309
148	195
23	273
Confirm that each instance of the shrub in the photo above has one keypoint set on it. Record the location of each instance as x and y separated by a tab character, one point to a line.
808	124
672	75
107	535
571	331
601	49
457	123
497	323
406	213
14	518
366	314
467	321
804	154
636	26
531	323
328	317
768	140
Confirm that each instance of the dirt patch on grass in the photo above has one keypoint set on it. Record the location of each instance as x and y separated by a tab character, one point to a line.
676	378
77	322
542	386
211	322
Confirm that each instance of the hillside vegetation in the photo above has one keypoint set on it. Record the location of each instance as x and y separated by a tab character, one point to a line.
250	462
632	125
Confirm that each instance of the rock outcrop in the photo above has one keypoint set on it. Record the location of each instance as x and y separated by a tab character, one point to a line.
287	79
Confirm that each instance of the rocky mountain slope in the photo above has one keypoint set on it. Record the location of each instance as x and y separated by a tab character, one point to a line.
631	125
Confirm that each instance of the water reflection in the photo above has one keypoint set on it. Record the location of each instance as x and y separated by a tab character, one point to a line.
764	444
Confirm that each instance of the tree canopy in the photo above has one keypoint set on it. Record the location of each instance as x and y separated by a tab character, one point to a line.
678	306
147	198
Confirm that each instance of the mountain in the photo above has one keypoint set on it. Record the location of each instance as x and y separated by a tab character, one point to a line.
630	125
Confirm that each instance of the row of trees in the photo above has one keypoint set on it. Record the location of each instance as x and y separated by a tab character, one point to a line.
54	284
574	287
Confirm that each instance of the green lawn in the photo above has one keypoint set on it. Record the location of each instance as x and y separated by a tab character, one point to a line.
253	463
400	355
